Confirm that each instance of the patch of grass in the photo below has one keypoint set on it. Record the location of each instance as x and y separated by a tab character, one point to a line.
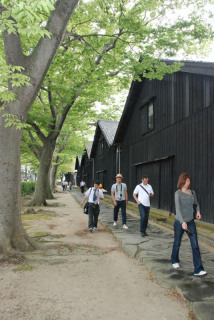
24	267
42	233
37	216
57	235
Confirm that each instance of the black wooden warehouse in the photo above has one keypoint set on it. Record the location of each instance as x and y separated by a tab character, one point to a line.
167	127
100	160
84	167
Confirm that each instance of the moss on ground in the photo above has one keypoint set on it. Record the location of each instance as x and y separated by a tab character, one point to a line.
24	267
37	216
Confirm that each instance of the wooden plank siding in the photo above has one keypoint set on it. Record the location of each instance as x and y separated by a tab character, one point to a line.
182	140
104	164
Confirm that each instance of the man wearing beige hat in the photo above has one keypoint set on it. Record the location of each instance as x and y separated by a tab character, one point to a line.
120	198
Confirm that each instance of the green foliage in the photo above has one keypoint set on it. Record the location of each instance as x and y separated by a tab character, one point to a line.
27	187
26	17
106	46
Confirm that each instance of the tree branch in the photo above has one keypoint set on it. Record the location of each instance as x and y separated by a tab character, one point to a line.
11	42
50	99
108	47
35	147
39	133
39	61
65	111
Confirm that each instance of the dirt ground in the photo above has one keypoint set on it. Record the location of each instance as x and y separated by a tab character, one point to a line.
82	276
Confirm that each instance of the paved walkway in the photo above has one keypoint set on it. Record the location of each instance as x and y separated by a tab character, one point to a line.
155	251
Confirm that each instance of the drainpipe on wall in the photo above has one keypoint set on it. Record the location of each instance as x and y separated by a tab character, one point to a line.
92	170
118	160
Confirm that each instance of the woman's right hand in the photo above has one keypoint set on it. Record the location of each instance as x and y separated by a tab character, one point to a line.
184	225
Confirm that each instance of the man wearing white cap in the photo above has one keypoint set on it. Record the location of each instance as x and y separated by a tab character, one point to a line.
120	198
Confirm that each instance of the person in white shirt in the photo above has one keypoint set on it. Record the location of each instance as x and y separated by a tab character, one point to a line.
94	194
144	192
82	186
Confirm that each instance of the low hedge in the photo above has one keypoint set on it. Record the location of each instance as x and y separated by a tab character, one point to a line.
27	187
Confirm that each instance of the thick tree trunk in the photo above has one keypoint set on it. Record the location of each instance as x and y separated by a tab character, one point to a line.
12	233
39	197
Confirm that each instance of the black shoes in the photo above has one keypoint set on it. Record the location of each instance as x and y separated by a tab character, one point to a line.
144	234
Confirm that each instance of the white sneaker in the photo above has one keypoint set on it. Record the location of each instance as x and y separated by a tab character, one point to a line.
200	274
125	226
115	223
176	265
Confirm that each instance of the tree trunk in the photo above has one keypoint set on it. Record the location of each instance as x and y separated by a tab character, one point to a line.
53	174
49	194
39	197
12	233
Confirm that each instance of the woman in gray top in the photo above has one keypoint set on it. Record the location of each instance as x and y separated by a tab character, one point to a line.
184	221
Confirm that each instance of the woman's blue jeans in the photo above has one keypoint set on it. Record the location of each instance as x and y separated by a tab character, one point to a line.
178	233
144	217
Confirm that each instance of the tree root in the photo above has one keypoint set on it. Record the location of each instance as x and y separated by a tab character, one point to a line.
34	203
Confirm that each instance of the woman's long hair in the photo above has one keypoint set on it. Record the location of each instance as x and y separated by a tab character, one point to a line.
182	179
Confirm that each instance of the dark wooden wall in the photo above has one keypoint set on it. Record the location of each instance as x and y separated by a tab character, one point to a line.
105	164
182	140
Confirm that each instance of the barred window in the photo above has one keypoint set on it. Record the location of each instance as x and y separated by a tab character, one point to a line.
150	116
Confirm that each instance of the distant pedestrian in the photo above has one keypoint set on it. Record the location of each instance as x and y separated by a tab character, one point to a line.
63	185
144	192
94	195
82	186
184	222
70	186
120	198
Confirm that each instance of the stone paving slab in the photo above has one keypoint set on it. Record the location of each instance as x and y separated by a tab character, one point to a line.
203	310
154	252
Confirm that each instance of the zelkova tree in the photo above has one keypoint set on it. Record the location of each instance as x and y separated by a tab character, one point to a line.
47	117
20	23
65	155
101	50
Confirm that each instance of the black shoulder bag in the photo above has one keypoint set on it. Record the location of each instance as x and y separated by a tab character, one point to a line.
194	207
85	208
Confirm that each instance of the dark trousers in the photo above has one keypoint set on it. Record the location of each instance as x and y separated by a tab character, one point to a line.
144	217
122	205
82	189
93	213
178	233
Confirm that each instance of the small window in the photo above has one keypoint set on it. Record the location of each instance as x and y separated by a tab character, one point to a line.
101	148
150	116
147	117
